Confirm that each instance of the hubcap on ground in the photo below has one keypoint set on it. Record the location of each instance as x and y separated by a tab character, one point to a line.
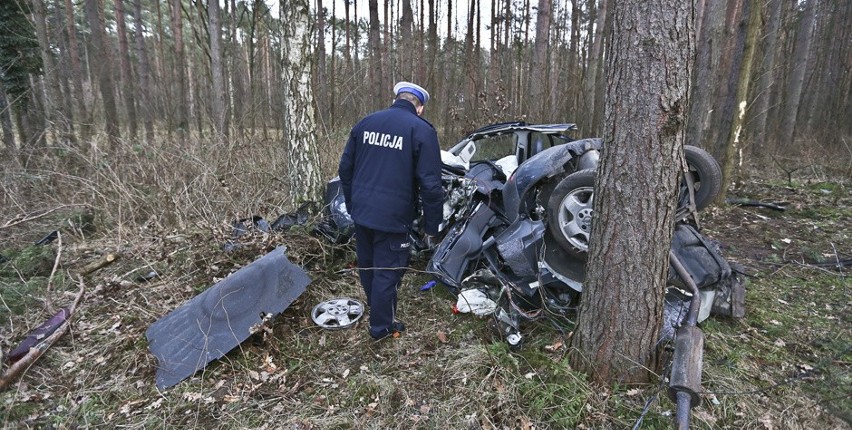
337	313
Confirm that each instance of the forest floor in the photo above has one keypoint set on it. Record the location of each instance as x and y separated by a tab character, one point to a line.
786	365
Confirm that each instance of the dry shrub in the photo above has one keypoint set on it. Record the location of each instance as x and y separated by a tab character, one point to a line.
171	183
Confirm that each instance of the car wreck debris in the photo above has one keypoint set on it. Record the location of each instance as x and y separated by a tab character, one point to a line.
337	313
219	319
42	345
38	335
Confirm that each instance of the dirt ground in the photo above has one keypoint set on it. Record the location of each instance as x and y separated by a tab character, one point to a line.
784	366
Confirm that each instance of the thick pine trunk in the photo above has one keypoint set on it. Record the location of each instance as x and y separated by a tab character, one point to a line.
760	107
407	60
218	95
144	73
733	149
101	67
83	112
181	119
648	79
53	117
375	56
799	65
538	73
126	74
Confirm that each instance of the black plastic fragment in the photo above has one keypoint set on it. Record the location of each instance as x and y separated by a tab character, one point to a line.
242	226
300	217
49	238
38	335
337	225
219	319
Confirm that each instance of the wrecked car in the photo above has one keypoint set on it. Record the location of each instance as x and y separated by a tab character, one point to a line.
517	220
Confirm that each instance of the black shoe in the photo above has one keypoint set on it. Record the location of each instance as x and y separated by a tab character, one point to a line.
398	326
395	330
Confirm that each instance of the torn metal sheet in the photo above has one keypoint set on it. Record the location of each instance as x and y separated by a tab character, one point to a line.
219	319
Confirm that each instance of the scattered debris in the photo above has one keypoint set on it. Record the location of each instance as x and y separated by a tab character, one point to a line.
282	223
219	319
754	203
476	301
300	217
49	238
428	286
35	351
38	335
145	277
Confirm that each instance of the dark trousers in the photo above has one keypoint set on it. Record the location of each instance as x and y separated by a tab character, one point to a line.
382	259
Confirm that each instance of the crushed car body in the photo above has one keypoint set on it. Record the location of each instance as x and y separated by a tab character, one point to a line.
517	218
223	316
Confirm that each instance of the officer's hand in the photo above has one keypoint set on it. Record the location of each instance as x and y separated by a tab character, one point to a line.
430	240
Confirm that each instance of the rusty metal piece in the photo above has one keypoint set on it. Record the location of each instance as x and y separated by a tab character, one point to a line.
686	364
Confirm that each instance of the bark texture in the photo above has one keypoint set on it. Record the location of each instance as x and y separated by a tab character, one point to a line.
102	55
300	128
218	95
648	72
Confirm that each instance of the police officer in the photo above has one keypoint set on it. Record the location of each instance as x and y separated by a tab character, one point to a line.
392	157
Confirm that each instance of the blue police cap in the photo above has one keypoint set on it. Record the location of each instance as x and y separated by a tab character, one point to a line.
408	87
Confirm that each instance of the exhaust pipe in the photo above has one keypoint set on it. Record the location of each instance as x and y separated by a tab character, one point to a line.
685	379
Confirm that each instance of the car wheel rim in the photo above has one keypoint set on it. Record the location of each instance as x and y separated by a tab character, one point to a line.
337	313
575	217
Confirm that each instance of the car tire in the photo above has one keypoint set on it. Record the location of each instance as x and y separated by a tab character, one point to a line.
569	212
706	175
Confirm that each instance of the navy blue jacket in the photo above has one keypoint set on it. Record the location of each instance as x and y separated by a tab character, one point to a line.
391	157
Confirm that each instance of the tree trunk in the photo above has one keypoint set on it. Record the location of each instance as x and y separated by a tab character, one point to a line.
714	83
322	87
300	128
218	96
471	64
605	23
66	111
52	107
10	150
143	71
648	79
181	119
760	106
101	68
733	149
387	63
432	55
406	58
332	100
799	64
126	74
375	56
77	73
538	73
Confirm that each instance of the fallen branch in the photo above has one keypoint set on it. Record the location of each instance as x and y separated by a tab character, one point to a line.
17	369
96	265
20	219
49	305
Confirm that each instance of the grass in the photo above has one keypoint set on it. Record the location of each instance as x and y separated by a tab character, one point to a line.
786	365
